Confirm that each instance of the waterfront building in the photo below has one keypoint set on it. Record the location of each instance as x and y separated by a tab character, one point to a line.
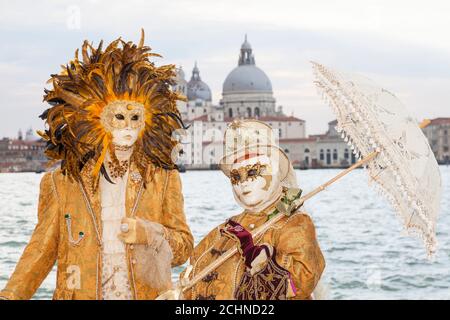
22	153
247	93
438	133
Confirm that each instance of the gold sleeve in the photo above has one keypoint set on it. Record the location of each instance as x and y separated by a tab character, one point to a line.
178	233
199	249
40	254
298	251
205	244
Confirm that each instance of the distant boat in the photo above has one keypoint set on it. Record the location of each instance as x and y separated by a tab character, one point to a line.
181	168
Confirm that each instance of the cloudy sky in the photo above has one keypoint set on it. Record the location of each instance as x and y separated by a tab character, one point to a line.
402	45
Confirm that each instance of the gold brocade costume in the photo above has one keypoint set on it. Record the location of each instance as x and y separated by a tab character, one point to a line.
297	251
79	262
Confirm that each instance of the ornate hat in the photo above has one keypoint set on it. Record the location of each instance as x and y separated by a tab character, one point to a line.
253	137
121	73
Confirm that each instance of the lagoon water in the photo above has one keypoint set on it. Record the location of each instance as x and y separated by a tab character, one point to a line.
367	255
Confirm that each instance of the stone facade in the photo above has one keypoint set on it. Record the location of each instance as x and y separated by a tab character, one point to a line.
21	155
438	133
247	93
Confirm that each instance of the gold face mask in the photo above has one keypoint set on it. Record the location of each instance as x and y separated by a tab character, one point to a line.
123	114
248	172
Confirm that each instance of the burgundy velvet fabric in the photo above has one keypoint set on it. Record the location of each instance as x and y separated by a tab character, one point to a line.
249	250
270	283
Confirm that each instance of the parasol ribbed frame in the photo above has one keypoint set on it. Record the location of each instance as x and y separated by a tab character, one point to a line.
352	100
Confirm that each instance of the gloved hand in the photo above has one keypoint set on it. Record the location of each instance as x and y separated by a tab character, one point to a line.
260	260
171	294
133	231
255	257
177	292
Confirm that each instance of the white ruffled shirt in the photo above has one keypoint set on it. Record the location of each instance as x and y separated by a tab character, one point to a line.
115	282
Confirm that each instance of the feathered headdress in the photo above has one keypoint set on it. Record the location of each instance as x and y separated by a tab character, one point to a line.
81	91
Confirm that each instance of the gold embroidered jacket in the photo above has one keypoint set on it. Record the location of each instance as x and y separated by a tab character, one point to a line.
297	251
79	263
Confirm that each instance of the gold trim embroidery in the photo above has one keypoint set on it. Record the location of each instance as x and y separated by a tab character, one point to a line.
251	171
81	234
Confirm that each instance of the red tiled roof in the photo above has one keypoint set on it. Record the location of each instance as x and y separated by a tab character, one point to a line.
280	118
216	142
265	119
288	140
26	142
201	118
317	135
271	118
439	121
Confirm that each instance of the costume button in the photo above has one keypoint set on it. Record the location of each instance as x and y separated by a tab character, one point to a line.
131	247
133	261
118	294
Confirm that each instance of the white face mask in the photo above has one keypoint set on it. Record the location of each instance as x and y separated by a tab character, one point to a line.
255	192
124	120
125	137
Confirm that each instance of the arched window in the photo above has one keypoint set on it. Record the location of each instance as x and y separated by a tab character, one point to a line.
335	154
321	154
249	112
230	113
257	114
306	150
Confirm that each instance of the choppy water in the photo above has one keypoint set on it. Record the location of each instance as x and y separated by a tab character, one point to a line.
367	255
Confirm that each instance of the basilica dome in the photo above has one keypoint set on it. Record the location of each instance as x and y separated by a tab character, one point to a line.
247	77
196	88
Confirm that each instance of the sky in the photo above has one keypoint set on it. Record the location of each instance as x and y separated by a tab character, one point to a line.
401	45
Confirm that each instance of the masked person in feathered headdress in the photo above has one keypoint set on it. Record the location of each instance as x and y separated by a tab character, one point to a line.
111	216
285	261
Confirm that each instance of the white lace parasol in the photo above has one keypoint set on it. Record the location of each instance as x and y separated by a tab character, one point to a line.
370	119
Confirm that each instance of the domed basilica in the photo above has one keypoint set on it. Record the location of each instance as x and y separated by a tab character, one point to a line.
246	93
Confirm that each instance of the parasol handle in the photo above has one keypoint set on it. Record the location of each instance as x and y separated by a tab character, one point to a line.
361	162
258	231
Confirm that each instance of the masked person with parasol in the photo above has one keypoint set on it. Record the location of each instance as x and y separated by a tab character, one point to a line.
399	162
111	216
284	262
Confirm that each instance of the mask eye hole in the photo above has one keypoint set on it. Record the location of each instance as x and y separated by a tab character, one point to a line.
235	177
135	117
252	172
119	116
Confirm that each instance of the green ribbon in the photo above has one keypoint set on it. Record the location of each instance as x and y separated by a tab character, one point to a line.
289	202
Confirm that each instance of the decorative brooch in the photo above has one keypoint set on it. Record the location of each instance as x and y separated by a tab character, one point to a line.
118	168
